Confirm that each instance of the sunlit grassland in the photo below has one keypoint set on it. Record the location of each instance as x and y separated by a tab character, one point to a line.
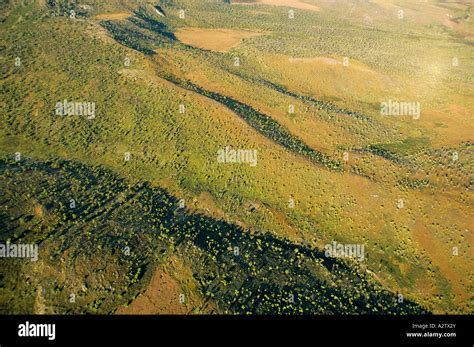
138	113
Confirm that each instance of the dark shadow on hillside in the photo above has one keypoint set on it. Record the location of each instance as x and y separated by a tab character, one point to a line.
241	271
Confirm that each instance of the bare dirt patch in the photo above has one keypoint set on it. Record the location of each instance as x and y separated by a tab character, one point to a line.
113	16
219	40
286	3
161	296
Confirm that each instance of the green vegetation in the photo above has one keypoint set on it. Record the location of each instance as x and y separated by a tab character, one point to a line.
112	215
262	123
343	165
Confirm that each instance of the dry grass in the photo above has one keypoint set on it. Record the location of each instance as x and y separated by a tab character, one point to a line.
327	76
286	3
219	40
161	296
113	16
356	199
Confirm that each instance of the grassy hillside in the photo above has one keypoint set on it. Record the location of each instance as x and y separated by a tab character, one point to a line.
106	244
344	165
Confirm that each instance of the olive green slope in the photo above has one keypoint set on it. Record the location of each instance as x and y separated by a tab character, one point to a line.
96	255
137	112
